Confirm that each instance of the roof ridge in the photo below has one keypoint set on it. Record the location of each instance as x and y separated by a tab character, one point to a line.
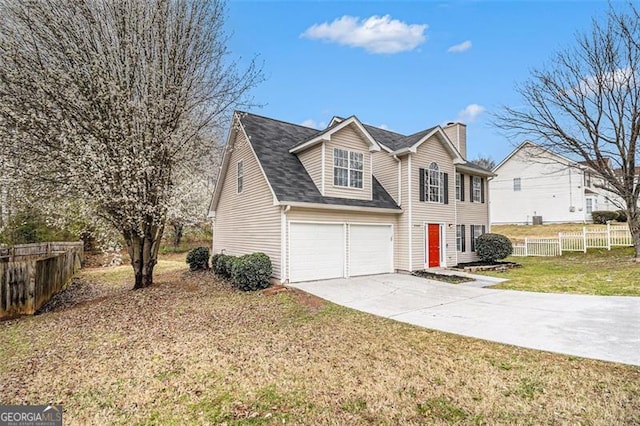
277	120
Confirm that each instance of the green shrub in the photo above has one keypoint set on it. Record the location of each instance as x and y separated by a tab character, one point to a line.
222	265
198	259
622	216
492	247
214	261
252	271
603	216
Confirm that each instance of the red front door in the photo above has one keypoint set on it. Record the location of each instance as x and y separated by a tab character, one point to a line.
433	245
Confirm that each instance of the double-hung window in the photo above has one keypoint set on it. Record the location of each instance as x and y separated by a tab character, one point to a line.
434	186
458	187
517	184
477	189
240	175
460	238
348	168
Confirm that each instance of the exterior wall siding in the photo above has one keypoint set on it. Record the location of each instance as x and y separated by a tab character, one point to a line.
348	138
402	234
311	159
430	151
385	169
469	213
338	216
548	189
247	222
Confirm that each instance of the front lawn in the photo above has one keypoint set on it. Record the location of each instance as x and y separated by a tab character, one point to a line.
190	350
598	271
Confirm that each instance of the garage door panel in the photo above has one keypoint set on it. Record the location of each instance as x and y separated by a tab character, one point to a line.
316	251
370	249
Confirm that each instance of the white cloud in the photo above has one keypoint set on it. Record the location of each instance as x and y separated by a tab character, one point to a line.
383	127
310	122
470	113
458	48
608	81
376	34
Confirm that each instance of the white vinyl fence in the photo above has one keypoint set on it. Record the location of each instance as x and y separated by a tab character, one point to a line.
611	236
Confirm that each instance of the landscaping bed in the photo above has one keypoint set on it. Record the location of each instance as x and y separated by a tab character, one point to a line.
486	266
448	278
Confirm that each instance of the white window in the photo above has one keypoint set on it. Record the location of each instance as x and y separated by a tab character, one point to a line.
587	179
477	189
459	237
348	168
458	187
589	205
517	184
434	184
476	231
240	176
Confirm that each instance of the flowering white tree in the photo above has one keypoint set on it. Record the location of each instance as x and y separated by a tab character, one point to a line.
103	101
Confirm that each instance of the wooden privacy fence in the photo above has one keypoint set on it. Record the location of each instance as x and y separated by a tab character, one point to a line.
611	236
30	274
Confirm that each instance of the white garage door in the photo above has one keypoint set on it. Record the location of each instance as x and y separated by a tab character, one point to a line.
370	249
316	251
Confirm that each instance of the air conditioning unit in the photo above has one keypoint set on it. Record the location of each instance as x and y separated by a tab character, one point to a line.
537	220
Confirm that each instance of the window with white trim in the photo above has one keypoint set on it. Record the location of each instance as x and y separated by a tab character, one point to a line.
589	205
477	189
348	168
434	184
240	176
459	237
517	184
458	187
476	231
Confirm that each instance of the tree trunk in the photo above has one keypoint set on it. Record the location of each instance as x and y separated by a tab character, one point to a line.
177	233
633	220
143	251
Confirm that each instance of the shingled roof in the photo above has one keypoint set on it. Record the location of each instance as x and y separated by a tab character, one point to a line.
271	140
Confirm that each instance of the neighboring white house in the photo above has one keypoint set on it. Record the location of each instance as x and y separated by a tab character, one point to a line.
534	184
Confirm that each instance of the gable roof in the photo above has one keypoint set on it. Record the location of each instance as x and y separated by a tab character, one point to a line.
530	144
271	141
325	135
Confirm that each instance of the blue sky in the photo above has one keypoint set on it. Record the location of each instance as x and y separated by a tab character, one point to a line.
402	65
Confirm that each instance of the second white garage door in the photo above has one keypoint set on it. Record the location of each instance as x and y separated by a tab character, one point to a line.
316	251
370	249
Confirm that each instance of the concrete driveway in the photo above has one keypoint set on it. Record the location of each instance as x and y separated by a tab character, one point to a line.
598	327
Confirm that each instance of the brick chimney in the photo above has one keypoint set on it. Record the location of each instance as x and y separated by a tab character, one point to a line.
457	132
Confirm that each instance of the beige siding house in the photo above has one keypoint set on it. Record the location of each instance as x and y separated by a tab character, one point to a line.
348	200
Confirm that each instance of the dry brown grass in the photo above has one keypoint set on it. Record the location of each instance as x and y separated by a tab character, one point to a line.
190	350
520	232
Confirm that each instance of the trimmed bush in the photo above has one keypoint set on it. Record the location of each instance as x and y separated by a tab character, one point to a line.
622	216
214	261
492	247
198	259
222	265
252	271
603	216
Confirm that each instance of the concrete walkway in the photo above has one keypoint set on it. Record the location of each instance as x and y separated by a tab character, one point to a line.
598	327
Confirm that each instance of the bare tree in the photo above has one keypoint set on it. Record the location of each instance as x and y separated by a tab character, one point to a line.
484	162
104	100
586	106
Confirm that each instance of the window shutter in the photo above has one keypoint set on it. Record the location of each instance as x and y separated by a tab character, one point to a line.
473	240
461	188
421	173
482	190
445	190
483	229
471	189
464	239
